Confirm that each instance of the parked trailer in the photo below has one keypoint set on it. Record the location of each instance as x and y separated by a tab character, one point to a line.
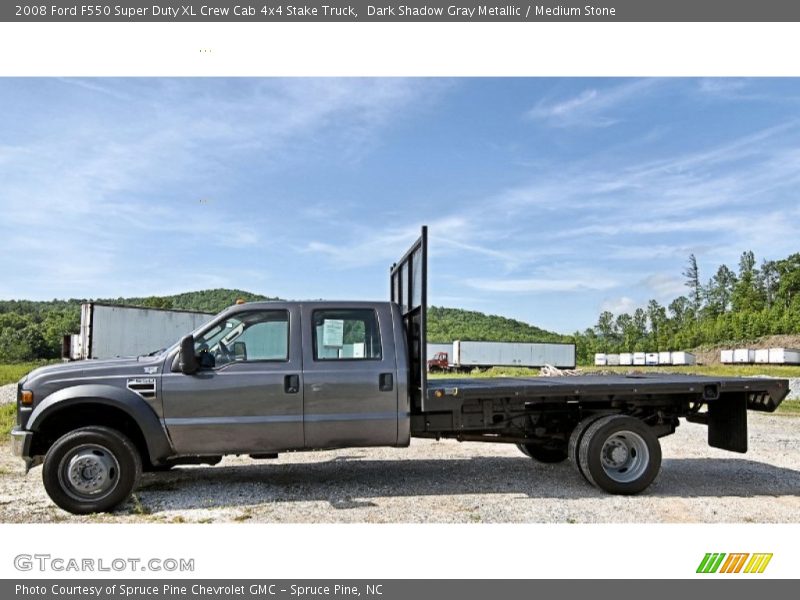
612	360
651	359
111	330
639	359
626	359
744	356
600	360
665	358
683	358
726	357
468	354
784	356
434	349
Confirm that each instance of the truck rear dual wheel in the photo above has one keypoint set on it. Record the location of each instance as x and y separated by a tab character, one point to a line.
544	454
92	469
619	454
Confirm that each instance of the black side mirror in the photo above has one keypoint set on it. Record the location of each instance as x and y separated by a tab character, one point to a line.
188	359
239	351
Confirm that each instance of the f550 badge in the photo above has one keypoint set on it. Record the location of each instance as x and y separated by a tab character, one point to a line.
742	562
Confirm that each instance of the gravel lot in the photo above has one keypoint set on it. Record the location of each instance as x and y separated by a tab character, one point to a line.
8	393
448	482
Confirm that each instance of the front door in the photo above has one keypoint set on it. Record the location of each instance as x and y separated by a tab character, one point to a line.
248	398
349	373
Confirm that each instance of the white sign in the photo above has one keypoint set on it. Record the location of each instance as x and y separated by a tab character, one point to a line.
333	333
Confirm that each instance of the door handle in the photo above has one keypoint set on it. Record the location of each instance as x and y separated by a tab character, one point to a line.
386	382
291	384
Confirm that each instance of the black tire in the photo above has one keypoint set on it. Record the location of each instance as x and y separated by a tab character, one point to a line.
576	437
544	454
92	469
619	454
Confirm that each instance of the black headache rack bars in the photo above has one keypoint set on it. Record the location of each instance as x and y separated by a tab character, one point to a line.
409	289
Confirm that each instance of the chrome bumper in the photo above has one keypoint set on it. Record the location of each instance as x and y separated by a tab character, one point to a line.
21	442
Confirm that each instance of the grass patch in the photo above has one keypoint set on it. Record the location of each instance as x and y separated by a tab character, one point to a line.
138	507
709	370
789	407
12	373
8	418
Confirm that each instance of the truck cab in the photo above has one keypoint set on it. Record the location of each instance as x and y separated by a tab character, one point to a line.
258	379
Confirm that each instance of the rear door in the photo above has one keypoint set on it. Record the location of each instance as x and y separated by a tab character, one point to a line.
350	375
251	399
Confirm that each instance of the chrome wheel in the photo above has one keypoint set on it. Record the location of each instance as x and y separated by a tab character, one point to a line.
89	472
624	456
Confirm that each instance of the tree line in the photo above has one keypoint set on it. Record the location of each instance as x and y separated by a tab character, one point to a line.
728	307
31	330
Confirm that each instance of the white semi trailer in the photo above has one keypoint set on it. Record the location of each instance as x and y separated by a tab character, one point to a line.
468	355
109	330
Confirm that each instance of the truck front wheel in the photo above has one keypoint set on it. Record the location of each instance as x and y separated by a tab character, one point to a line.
619	454
92	469
544	454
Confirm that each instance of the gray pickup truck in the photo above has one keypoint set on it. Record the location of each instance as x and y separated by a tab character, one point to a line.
269	377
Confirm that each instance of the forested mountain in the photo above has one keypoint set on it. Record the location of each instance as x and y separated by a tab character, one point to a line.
730	307
449	324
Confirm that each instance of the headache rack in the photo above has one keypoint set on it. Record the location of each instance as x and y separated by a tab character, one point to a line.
409	289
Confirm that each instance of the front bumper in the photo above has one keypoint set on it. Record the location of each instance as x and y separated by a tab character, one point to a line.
21	446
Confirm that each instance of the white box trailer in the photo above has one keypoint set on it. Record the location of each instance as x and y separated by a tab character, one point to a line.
683	358
600	360
784	356
109	330
651	359
761	356
744	355
665	358
639	359
726	357
468	354
434	349
612	360
626	359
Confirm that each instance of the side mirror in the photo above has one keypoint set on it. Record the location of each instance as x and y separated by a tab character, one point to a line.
239	351
188	359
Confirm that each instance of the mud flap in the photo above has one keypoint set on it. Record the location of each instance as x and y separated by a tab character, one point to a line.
727	422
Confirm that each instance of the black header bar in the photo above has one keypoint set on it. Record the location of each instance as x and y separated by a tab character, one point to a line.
397	11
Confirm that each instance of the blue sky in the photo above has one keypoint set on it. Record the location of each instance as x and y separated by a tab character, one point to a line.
548	200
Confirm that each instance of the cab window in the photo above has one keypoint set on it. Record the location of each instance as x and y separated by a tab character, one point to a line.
261	335
346	334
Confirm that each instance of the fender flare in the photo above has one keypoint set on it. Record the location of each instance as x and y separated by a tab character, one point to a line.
153	432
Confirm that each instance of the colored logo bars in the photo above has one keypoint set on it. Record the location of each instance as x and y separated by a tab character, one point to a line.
734	563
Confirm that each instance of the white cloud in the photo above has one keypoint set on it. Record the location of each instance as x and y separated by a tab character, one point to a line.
540	285
591	107
617	306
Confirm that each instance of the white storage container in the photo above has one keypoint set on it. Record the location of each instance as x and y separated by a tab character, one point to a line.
744	355
665	358
651	359
683	358
726	357
784	356
762	356
639	359
612	360
600	360
626	359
